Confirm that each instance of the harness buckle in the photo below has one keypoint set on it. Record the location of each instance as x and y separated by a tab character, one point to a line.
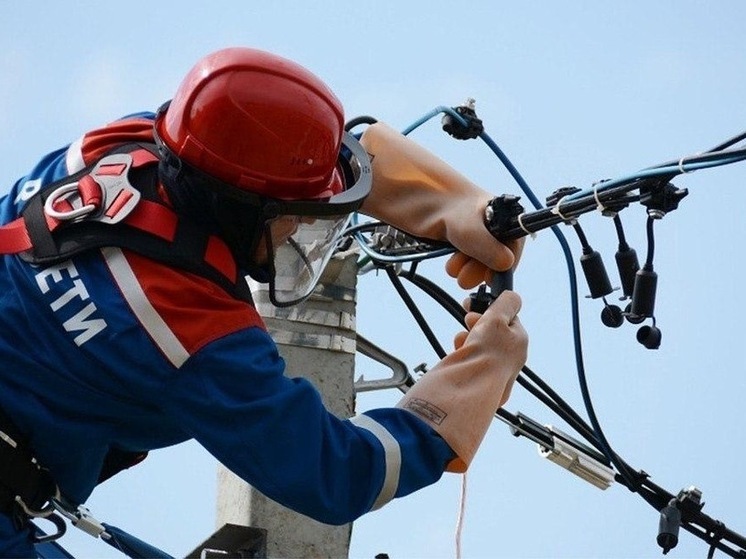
41	513
104	195
81	518
64	194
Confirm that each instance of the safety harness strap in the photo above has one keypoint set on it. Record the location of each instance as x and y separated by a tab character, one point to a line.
14	238
116	202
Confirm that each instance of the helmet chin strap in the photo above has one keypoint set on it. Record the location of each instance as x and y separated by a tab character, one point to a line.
261	272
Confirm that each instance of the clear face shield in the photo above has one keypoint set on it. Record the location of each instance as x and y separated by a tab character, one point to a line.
304	236
300	249
299	236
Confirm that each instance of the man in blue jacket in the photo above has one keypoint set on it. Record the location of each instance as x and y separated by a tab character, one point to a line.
126	324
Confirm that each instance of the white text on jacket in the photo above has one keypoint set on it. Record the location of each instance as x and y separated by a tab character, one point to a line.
75	299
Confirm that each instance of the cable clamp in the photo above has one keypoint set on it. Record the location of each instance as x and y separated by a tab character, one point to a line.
577	458
562	449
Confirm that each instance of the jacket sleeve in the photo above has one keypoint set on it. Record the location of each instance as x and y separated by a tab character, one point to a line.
274	432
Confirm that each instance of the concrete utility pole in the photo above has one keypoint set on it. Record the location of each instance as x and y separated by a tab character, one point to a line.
317	341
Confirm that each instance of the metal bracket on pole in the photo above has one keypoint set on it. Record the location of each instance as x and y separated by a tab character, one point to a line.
232	541
400	373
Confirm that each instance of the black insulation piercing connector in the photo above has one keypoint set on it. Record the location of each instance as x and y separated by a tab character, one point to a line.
627	265
498	216
668	526
643	295
501	212
595	273
479	301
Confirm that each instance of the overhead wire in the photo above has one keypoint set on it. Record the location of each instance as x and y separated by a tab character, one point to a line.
618	190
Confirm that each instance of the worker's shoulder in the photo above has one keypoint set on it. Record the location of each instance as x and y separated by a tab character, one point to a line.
95	143
176	303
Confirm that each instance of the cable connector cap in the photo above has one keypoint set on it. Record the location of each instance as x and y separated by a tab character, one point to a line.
575	457
455	129
501	213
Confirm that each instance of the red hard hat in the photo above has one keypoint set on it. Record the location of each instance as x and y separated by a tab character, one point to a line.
257	121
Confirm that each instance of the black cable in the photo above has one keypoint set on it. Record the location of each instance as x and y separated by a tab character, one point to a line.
727	143
562	412
416	314
628	478
585	245
571	417
620	233
717	542
545	217
412	268
699	525
549	397
438	294
577	421
509	417
651	243
599	441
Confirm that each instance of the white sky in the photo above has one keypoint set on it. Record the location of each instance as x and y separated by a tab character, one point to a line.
573	92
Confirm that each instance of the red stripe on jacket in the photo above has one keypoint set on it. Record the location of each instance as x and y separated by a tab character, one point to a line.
195	309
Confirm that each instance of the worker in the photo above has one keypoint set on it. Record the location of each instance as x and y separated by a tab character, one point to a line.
127	324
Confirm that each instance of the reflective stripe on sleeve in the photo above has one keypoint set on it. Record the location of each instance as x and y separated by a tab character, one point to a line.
392	454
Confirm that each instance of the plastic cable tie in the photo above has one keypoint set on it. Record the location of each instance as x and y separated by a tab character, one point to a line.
599	206
531	234
681	164
556	210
